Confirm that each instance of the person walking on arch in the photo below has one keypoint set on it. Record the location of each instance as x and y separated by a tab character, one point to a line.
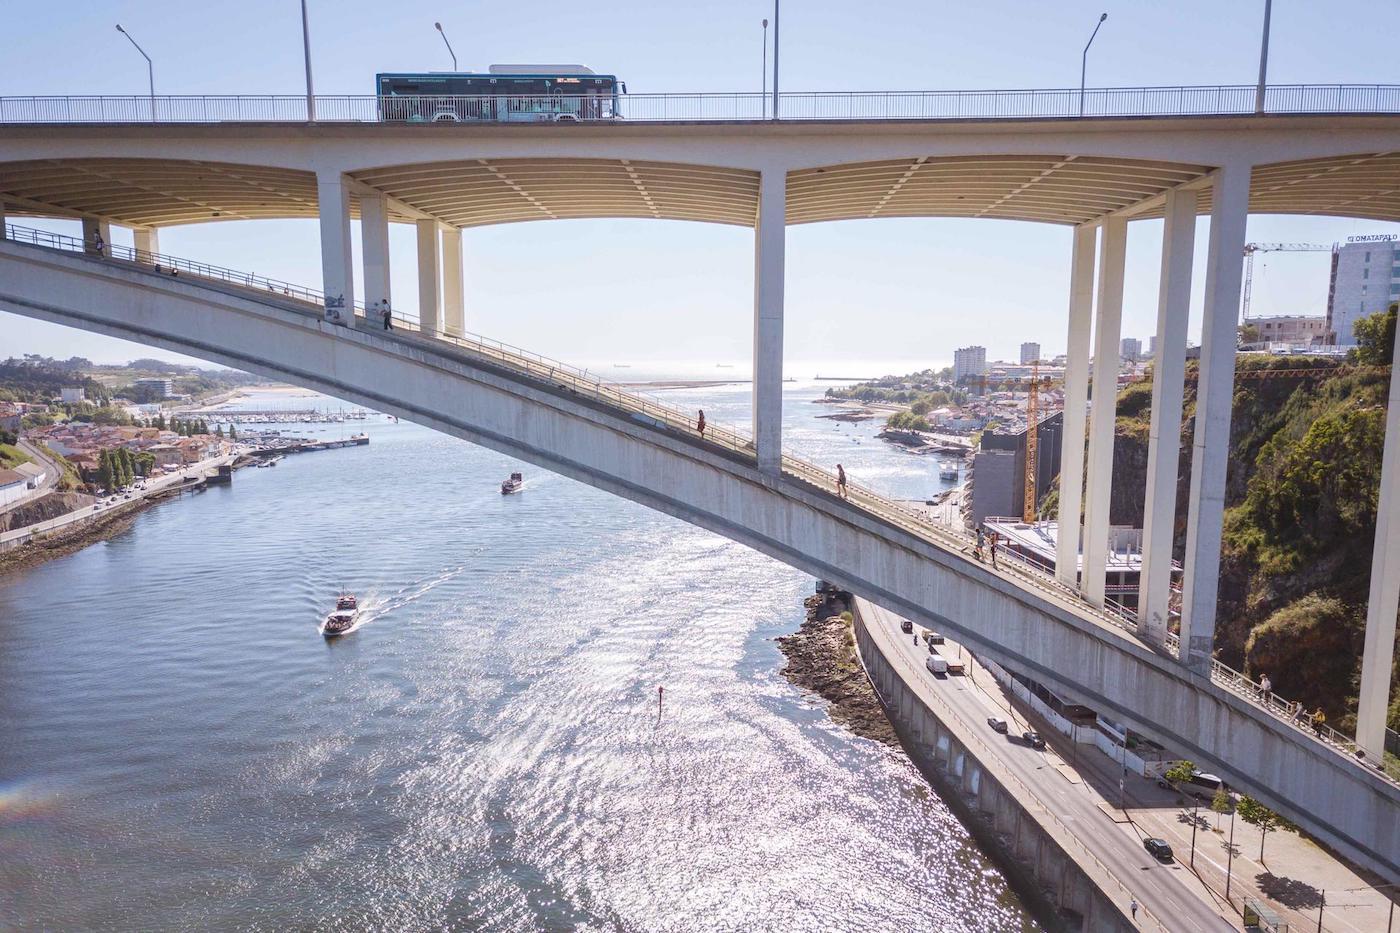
841	482
700	424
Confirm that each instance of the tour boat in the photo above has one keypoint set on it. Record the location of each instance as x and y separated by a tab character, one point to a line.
342	620
948	469
514	484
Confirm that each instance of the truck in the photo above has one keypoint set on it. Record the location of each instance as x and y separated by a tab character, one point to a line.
936	664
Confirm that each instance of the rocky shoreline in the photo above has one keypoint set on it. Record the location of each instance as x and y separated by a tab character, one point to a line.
70	540
821	657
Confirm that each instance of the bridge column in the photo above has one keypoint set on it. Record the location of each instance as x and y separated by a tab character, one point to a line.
454	316
1215	391
1164	435
770	240
1378	656
92	226
1103	409
2	220
374	253
146	240
1081	312
429	295
337	261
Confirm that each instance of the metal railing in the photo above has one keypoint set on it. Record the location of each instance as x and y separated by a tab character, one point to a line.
1004	104
654	413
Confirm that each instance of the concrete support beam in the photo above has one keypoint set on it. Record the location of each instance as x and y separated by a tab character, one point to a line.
1164	435
2	220
429	294
1215	392
94	227
1103	408
770	241
374	249
1378	656
454	315
1081	315
146	240
337	261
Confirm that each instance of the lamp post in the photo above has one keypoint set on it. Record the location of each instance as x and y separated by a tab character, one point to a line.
763	100
306	54
438	27
1263	59
776	4
1230	856
150	69
1084	60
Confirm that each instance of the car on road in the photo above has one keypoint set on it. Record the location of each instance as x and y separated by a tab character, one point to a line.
906	626
1158	848
933	639
998	724
1033	739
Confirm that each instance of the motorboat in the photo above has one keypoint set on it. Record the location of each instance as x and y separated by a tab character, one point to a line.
948	469
514	484
342	620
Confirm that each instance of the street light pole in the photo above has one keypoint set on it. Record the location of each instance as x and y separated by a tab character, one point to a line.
1230	857
306	53
1084	61
763	100
150	69
1195	818
776	3
438	27
1263	59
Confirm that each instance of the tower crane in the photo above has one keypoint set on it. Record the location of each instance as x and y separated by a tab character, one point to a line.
1251	248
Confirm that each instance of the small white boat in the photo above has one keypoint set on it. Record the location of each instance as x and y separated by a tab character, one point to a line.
514	484
948	469
342	620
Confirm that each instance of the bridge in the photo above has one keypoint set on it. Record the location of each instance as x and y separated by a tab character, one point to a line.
1094	175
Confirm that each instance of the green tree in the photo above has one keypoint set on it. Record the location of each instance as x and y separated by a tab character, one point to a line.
1249	333
160	420
1180	772
104	470
233	432
1375	337
1254	812
128	465
218	430
1221	803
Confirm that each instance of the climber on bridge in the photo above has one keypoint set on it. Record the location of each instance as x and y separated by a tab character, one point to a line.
841	482
700	424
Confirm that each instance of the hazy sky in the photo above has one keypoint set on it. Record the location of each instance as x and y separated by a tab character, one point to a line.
630	291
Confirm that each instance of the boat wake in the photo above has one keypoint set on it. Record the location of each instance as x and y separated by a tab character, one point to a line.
373	604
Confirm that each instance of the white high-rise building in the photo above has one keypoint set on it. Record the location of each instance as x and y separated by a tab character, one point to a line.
1130	348
1365	279
1030	352
969	362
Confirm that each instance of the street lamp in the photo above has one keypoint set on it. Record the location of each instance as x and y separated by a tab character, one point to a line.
438	27
150	69
763	100
775	58
306	54
1263	59
1084	60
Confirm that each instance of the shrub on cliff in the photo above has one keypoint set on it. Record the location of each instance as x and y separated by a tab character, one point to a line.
1309	649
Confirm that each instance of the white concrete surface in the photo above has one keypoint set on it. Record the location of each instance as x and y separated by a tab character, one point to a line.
452	298
429	290
1038	631
1164	432
770	241
337	262
374	250
1215	394
1103	409
146	240
1081	317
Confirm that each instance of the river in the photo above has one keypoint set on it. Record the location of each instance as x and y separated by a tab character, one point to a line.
180	749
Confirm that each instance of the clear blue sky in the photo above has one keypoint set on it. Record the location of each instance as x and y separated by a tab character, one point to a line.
896	290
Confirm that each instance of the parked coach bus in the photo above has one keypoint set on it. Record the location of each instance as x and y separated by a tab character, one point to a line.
505	94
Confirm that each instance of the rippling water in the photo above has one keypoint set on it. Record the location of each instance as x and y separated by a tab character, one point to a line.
179	748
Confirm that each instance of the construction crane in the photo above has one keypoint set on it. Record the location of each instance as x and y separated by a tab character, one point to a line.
1251	248
1032	387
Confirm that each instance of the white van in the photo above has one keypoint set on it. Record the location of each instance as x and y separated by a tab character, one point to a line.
936	664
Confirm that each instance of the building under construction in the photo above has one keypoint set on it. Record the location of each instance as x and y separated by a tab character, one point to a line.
999	470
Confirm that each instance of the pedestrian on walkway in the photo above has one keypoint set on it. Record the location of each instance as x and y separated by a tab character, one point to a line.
994	552
1133	908
700	424
387	314
1319	719
99	246
978	549
1266	687
841	482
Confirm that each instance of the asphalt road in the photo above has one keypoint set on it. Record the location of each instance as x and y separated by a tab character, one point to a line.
1167	891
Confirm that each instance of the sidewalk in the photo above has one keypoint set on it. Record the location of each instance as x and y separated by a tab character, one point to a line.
1292	880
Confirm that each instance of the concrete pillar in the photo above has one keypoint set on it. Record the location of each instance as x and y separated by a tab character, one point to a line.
374	252
453	313
1103	409
1378	656
770	240
3	234
337	262
1210	449
92	227
429	294
1164	435
147	242
1081	311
